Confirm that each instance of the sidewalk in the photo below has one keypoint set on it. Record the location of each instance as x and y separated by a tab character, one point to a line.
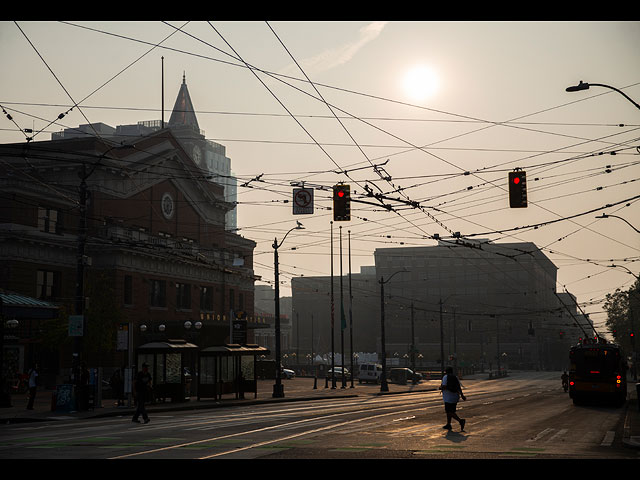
298	389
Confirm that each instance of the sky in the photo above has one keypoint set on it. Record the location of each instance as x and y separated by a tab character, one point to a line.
400	108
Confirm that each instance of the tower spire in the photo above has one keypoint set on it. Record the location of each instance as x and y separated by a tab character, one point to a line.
183	113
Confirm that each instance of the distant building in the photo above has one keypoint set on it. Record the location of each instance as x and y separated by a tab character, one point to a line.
312	315
497	303
264	308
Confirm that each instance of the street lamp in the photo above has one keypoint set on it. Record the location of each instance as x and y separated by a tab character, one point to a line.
384	387
278	388
585	86
604	215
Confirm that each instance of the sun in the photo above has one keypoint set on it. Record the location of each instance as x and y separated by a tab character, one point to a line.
420	82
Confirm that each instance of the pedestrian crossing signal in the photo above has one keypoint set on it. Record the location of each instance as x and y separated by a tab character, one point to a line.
518	189
341	203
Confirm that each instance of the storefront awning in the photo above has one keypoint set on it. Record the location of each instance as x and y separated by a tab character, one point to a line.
15	305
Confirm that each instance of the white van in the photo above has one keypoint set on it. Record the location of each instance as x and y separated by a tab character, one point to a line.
370	372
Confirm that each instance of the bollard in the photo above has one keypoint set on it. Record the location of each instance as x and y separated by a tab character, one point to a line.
638	395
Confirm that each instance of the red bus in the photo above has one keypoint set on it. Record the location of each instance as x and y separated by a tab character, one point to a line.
597	371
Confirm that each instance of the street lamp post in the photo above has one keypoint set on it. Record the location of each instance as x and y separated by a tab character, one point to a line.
585	86
384	387
278	388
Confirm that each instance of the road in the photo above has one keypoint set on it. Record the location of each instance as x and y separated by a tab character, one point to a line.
521	416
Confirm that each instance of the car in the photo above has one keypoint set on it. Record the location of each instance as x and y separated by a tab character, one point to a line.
404	375
370	372
347	374
288	373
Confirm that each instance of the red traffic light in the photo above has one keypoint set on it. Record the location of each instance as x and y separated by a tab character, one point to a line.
518	189
342	202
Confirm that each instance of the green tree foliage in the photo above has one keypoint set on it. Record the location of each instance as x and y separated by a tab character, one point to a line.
103	316
53	334
623	315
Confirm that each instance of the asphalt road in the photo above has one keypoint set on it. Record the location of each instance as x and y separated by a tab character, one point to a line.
523	416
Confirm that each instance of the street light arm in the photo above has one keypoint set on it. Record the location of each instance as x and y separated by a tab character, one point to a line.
622	266
604	215
275	242
585	86
382	281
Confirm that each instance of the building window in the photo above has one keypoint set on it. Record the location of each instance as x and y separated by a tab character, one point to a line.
183	296
128	290
49	220
158	293
47	284
206	298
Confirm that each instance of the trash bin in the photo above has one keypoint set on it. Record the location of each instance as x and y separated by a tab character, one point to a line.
187	386
65	398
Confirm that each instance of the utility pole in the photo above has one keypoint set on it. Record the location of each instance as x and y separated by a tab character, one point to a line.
350	313
341	313
80	260
413	346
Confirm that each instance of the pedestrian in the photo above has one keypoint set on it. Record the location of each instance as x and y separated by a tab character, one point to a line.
33	385
451	394
117	385
142	392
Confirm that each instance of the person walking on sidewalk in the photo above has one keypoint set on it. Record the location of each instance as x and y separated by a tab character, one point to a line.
451	394
142	392
33	385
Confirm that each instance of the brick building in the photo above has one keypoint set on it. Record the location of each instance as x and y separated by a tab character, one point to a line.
128	231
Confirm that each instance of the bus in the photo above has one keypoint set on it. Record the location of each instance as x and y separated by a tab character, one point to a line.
597	371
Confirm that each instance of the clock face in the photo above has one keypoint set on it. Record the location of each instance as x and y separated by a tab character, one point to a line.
197	155
167	205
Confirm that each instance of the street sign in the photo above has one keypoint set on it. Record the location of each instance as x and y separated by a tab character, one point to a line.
239	329
76	325
302	201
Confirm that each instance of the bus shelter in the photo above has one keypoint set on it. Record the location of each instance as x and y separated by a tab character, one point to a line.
171	364
228	368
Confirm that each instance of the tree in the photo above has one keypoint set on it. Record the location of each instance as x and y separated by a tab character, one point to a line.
103	316
623	315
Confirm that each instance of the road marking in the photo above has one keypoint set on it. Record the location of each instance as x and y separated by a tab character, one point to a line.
540	435
608	439
560	432
405	418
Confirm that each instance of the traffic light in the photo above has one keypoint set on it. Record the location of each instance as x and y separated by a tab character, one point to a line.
341	203
518	189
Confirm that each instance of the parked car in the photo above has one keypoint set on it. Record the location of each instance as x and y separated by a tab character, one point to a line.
287	373
347	374
370	372
404	375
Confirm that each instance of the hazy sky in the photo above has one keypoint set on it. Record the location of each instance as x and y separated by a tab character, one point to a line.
487	97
